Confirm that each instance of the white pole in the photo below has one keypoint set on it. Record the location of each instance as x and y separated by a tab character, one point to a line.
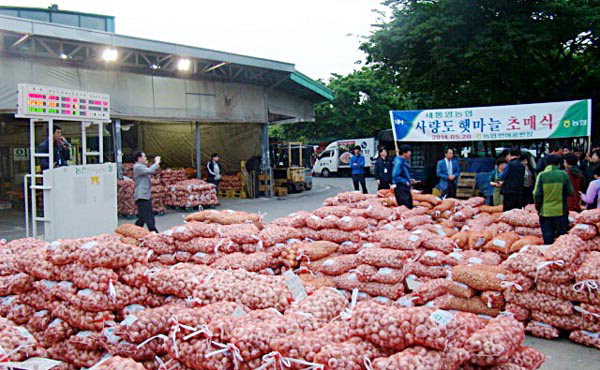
394	132
100	142
589	126
32	159
83	144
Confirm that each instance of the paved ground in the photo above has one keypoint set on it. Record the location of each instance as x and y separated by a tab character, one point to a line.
562	354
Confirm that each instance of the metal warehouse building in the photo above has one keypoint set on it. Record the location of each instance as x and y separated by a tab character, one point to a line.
177	101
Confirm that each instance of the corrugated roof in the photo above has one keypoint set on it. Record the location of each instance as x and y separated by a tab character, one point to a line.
65	32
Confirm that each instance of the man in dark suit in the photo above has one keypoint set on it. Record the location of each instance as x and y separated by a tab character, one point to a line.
513	179
383	170
448	171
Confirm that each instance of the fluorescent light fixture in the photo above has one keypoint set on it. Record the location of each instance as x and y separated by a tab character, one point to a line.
64	56
184	64
215	67
110	55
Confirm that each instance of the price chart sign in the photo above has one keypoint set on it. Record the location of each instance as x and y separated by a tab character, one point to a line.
36	101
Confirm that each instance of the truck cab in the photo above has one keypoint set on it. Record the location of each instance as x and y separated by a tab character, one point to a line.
335	159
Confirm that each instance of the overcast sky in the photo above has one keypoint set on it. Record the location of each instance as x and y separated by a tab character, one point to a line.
319	36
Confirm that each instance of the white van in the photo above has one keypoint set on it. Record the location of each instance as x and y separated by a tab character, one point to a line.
335	159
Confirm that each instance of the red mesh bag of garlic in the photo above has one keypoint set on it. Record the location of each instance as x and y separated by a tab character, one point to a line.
161	243
571	322
537	301
496	343
250	262
472	257
79	318
542	330
590	217
307	345
518	312
566	249
589	268
252	346
339	236
66	352
120	363
402	240
502	243
272	235
398	328
480	277
16	342
240	233
57	331
422	358
383	275
15	284
379	212
339	264
348	355
338	211
86	341
145	324
323	305
192	230
520	217
382	257
527	358
132	231
584	231
221	327
587	338
97	278
349	223
109	253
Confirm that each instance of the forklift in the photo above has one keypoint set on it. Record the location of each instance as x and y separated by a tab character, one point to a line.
289	170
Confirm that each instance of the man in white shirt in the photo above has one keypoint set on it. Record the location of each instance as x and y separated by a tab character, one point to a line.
448	171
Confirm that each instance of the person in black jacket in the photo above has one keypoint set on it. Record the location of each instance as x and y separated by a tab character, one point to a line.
555	149
213	168
61	150
383	170
513	179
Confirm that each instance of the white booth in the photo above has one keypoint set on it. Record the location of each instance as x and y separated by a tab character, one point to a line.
79	201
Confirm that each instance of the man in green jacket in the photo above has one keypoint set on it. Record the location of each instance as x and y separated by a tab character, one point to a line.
551	191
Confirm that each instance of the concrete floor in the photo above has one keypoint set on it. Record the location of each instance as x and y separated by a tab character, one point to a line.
562	354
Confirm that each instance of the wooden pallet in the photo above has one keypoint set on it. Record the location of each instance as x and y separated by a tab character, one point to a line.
466	185
280	191
232	194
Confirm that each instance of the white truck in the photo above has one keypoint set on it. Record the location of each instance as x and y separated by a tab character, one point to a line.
335	159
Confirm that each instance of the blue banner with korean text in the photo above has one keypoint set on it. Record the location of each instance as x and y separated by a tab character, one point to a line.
507	122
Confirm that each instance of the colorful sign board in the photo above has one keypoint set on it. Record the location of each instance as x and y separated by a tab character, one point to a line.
44	102
508	122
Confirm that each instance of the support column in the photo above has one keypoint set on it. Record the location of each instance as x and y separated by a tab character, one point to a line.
198	152
118	147
266	160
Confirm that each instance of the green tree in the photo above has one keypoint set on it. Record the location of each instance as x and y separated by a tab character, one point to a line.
449	53
360	107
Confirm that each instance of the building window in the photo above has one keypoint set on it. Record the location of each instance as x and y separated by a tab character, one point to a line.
94	23
68	19
36	16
